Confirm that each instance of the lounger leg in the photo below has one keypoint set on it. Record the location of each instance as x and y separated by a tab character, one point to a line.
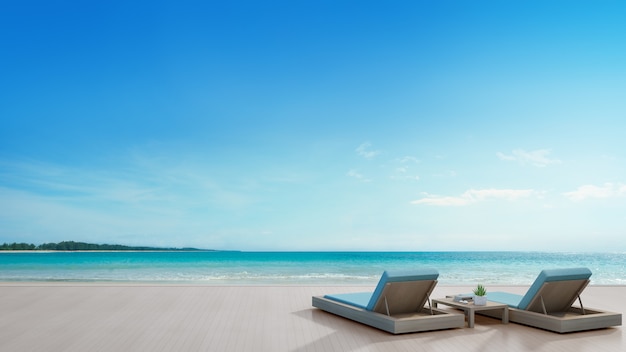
387	306
581	305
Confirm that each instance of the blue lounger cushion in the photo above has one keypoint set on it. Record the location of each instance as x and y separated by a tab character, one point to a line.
510	299
358	299
367	300
552	275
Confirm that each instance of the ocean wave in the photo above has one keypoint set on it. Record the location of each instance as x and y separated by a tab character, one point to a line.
303	268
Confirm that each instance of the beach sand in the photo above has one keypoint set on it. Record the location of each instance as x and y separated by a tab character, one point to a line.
134	317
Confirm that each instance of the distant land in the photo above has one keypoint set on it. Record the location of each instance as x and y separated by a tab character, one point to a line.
82	246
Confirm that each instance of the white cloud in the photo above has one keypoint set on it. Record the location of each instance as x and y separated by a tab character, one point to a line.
357	175
502	156
365	151
608	190
537	158
474	196
403	170
408	159
405	177
508	194
446	174
442	201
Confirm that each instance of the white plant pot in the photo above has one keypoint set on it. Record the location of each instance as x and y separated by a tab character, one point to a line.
480	300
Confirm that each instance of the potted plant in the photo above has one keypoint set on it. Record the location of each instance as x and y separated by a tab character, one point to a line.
480	295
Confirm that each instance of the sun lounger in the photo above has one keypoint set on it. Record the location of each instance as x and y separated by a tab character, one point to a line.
548	303
397	305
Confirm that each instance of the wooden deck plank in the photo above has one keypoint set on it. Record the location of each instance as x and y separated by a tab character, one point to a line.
101	317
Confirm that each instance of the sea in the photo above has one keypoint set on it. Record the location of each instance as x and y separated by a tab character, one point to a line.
299	268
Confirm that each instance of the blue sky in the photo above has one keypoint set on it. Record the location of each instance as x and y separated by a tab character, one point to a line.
315	125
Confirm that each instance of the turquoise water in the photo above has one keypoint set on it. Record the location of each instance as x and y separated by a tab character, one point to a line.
333	268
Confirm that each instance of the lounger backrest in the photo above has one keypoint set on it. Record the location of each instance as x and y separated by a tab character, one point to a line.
558	288
403	292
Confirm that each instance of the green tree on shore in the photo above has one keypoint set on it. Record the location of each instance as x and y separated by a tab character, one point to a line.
17	247
82	246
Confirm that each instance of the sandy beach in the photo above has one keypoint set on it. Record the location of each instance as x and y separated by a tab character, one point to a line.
115	317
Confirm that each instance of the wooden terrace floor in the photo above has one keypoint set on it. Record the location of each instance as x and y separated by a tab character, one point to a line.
110	317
